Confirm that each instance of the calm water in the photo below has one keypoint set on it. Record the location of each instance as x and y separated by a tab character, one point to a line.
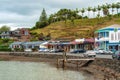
36	71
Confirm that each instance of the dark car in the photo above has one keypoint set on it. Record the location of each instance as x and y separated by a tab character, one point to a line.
78	51
116	55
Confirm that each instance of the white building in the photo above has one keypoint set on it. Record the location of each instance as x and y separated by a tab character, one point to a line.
108	38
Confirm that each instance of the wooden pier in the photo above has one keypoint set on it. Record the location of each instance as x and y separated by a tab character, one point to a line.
64	61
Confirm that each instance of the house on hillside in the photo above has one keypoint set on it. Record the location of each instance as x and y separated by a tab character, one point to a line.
108	38
22	34
6	34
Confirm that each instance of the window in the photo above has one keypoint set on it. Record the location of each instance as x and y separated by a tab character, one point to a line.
112	36
118	35
107	34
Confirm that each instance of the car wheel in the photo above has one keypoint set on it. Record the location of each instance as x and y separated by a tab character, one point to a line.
118	58
84	55
113	57
78	52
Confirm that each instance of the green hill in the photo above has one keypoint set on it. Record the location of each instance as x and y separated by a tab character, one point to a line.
81	28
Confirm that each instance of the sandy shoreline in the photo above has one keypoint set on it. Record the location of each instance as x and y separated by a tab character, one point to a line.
92	69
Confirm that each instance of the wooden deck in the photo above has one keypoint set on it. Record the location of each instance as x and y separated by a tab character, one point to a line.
86	59
64	61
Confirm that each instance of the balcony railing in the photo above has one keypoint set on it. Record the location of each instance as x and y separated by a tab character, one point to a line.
102	39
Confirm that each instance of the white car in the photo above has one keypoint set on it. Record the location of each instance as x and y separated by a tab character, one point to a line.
102	51
28	50
110	52
89	53
99	51
43	50
53	50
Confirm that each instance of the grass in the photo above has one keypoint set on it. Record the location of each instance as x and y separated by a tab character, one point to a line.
82	28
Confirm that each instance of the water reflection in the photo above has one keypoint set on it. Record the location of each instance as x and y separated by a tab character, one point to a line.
35	71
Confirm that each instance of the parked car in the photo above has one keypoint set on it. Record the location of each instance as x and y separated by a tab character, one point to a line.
97	51
53	50
101	51
116	55
28	50
89	53
77	51
43	50
108	52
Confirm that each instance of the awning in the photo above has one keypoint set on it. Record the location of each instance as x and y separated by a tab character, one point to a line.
74	42
89	40
101	31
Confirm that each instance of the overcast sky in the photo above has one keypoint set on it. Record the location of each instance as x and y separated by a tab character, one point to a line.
24	13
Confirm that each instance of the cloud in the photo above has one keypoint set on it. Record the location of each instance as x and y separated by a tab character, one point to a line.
24	13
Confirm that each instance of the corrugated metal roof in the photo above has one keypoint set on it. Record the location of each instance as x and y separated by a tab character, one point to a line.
109	28
112	26
15	43
38	42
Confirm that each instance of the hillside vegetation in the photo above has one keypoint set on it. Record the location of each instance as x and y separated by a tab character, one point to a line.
81	28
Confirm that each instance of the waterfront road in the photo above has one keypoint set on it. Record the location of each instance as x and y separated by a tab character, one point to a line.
108	56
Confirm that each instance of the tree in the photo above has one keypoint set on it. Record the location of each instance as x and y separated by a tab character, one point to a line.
89	9
82	11
43	21
41	37
108	6
37	24
113	6
72	20
94	10
99	9
105	10
4	28
117	6
43	16
51	18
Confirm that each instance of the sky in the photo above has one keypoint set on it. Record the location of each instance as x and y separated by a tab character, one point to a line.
25	13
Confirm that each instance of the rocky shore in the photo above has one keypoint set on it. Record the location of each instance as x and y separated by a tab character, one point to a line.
97	71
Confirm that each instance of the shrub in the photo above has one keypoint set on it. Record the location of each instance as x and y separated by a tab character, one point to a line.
18	49
5	40
4	48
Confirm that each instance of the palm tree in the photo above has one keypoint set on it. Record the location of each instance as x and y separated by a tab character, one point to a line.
117	5
94	10
99	9
82	11
77	10
105	10
112	6
108	6
89	9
